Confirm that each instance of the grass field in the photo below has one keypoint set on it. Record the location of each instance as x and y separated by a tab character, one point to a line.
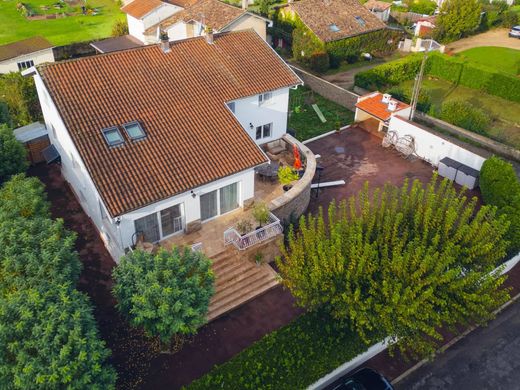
505	114
501	58
14	26
304	120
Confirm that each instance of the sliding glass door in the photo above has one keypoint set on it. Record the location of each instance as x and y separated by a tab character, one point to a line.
219	202
159	225
171	220
147	228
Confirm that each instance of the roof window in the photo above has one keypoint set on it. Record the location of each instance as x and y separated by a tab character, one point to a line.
134	130
113	136
333	28
360	20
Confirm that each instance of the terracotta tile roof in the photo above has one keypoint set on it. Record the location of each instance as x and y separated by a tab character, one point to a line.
118	43
183	3
374	105
179	99
321	15
217	15
140	8
26	46
376	5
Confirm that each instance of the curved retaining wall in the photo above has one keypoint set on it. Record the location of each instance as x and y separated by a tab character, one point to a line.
293	203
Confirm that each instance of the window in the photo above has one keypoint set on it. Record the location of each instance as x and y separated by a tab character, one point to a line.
333	28
113	136
25	65
147	228
171	220
360	20
264	131
134	130
219	202
264	98
231	106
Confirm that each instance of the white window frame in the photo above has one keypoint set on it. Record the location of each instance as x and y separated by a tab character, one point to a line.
262	129
23	65
265	98
219	214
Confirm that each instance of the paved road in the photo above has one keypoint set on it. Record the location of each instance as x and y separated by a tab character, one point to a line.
496	37
489	358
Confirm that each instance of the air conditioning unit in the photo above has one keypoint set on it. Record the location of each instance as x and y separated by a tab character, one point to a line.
386	98
392	105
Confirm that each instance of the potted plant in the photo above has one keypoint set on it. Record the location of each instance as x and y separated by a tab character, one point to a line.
261	214
286	175
244	226
163	36
259	258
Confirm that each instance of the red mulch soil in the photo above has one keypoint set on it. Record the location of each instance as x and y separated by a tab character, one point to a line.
135	357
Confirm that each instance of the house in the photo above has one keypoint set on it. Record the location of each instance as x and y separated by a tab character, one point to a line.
115	44
148	19
379	8
424	27
158	140
374	111
21	55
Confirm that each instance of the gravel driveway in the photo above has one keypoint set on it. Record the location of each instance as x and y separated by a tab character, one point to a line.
498	37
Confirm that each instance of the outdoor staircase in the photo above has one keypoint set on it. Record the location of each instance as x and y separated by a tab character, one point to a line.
237	281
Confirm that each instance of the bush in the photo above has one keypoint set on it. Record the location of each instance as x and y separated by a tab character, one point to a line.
286	175
305	44
423	7
500	187
20	97
167	293
390	74
13	156
120	28
23	197
292	357
464	114
49	340
319	62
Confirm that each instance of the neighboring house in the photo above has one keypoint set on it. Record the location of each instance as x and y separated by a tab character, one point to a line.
163	138
181	19
21	55
424	27
117	43
380	9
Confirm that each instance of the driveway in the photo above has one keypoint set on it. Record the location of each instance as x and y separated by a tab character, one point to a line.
489	358
497	37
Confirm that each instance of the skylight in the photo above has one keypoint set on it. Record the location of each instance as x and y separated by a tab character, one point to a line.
113	136
134	130
333	28
360	20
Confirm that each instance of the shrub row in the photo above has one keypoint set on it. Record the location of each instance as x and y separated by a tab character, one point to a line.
439	65
464	114
500	187
50	340
292	357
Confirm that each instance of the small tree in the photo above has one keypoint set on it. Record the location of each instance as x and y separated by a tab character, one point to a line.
261	213
23	197
49	340
402	263
457	18
13	156
19	95
120	28
167	294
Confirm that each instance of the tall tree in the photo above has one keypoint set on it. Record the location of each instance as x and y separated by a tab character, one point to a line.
167	293
13	157
457	18
49	340
24	197
400	263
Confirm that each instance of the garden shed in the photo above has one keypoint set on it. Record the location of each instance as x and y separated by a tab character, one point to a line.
35	139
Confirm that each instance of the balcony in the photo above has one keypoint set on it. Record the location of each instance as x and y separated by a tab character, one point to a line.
244	241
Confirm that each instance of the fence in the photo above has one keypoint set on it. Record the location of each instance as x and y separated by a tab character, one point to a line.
242	242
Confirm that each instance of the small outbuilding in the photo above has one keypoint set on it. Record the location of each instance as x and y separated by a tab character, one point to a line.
21	55
380	9
35	139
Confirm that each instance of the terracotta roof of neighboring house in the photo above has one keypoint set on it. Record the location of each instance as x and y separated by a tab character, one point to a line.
425	31
332	20
26	46
118	43
183	3
140	8
178	97
378	6
217	15
373	104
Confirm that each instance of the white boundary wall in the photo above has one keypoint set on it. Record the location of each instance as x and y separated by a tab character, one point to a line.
433	148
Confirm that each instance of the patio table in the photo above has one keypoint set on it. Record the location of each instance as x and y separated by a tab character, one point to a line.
268	171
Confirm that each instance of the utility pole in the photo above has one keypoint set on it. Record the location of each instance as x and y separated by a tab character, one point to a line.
417	86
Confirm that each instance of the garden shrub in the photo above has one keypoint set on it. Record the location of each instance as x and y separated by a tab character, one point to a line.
305	44
389	74
23	197
319	62
464	114
292	357
500	187
13	156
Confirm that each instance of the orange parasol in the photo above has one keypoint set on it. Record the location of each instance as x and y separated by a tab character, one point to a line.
297	161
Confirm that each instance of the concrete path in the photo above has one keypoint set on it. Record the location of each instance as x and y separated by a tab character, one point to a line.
488	358
497	37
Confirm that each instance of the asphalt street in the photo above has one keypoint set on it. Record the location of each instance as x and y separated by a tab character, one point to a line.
488	358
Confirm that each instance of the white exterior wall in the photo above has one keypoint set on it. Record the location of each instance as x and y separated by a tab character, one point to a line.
177	31
191	209
247	111
38	57
433	148
246	22
136	27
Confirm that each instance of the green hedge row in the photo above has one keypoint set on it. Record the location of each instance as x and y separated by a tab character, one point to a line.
448	68
292	357
500	187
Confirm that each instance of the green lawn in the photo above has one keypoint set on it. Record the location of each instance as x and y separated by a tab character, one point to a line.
304	120
13	26
505	114
501	58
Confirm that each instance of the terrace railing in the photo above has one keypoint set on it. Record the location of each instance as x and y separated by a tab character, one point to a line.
242	242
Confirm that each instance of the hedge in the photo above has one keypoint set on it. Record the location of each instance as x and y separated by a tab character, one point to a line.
500	187
439	65
464	114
